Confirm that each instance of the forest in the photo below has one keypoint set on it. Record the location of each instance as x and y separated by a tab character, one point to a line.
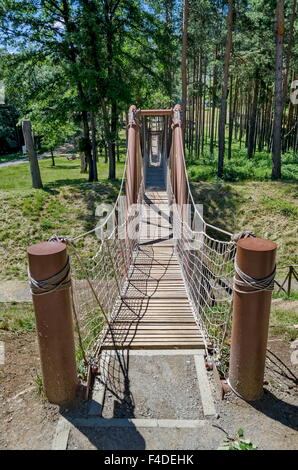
73	67
144	324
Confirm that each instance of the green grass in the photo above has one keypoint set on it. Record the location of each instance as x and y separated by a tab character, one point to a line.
240	168
237	442
268	208
282	324
281	295
17	317
280	207
65	206
64	173
38	385
10	157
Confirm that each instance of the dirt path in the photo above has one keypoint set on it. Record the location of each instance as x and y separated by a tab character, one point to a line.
27	422
63	150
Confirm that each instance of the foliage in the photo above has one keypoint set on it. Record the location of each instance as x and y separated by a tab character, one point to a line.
239	168
237	442
282	322
17	317
8	131
66	205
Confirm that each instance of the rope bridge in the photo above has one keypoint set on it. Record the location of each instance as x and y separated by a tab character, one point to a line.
158	274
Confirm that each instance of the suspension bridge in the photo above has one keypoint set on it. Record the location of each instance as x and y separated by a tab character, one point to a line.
161	278
156	276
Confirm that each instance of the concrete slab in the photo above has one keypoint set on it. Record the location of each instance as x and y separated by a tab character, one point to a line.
205	391
135	437
15	291
153	386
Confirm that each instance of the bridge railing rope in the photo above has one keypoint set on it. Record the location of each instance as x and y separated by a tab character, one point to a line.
99	277
207	262
101	260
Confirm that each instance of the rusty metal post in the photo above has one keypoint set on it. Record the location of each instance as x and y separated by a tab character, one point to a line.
53	313
131	176
178	167
256	258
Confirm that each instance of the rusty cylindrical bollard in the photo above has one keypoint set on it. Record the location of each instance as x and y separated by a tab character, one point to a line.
53	313
256	258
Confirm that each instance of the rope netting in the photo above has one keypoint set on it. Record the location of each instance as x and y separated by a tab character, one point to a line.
100	280
206	254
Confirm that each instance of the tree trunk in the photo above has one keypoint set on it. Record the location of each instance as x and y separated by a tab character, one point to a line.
87	146
53	158
224	94
184	60
114	126
111	153
252	121
278	111
214	90
230	120
94	146
289	49
33	161
72	56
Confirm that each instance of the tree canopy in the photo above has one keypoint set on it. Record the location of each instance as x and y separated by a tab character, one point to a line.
75	66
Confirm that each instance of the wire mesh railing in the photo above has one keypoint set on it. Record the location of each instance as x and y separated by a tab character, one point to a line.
207	262
99	278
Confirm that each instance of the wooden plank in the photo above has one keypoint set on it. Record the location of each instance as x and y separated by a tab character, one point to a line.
158	323
164	313
164	328
165	302
158	309
158	330
152	283
149	345
155	312
153	344
156	318
153	337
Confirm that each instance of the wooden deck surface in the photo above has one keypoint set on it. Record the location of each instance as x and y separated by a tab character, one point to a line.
154	312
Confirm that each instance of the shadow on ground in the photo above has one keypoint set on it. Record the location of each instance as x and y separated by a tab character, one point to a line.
92	194
125	436
278	410
220	203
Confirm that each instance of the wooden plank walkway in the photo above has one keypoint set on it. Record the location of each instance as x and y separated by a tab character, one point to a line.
154	312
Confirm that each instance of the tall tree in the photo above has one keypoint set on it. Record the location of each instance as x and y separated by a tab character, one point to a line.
224	92
278	110
184	59
33	162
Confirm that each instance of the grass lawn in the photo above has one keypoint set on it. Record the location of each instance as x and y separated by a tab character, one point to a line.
10	157
239	167
65	206
282	324
17	317
270	209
